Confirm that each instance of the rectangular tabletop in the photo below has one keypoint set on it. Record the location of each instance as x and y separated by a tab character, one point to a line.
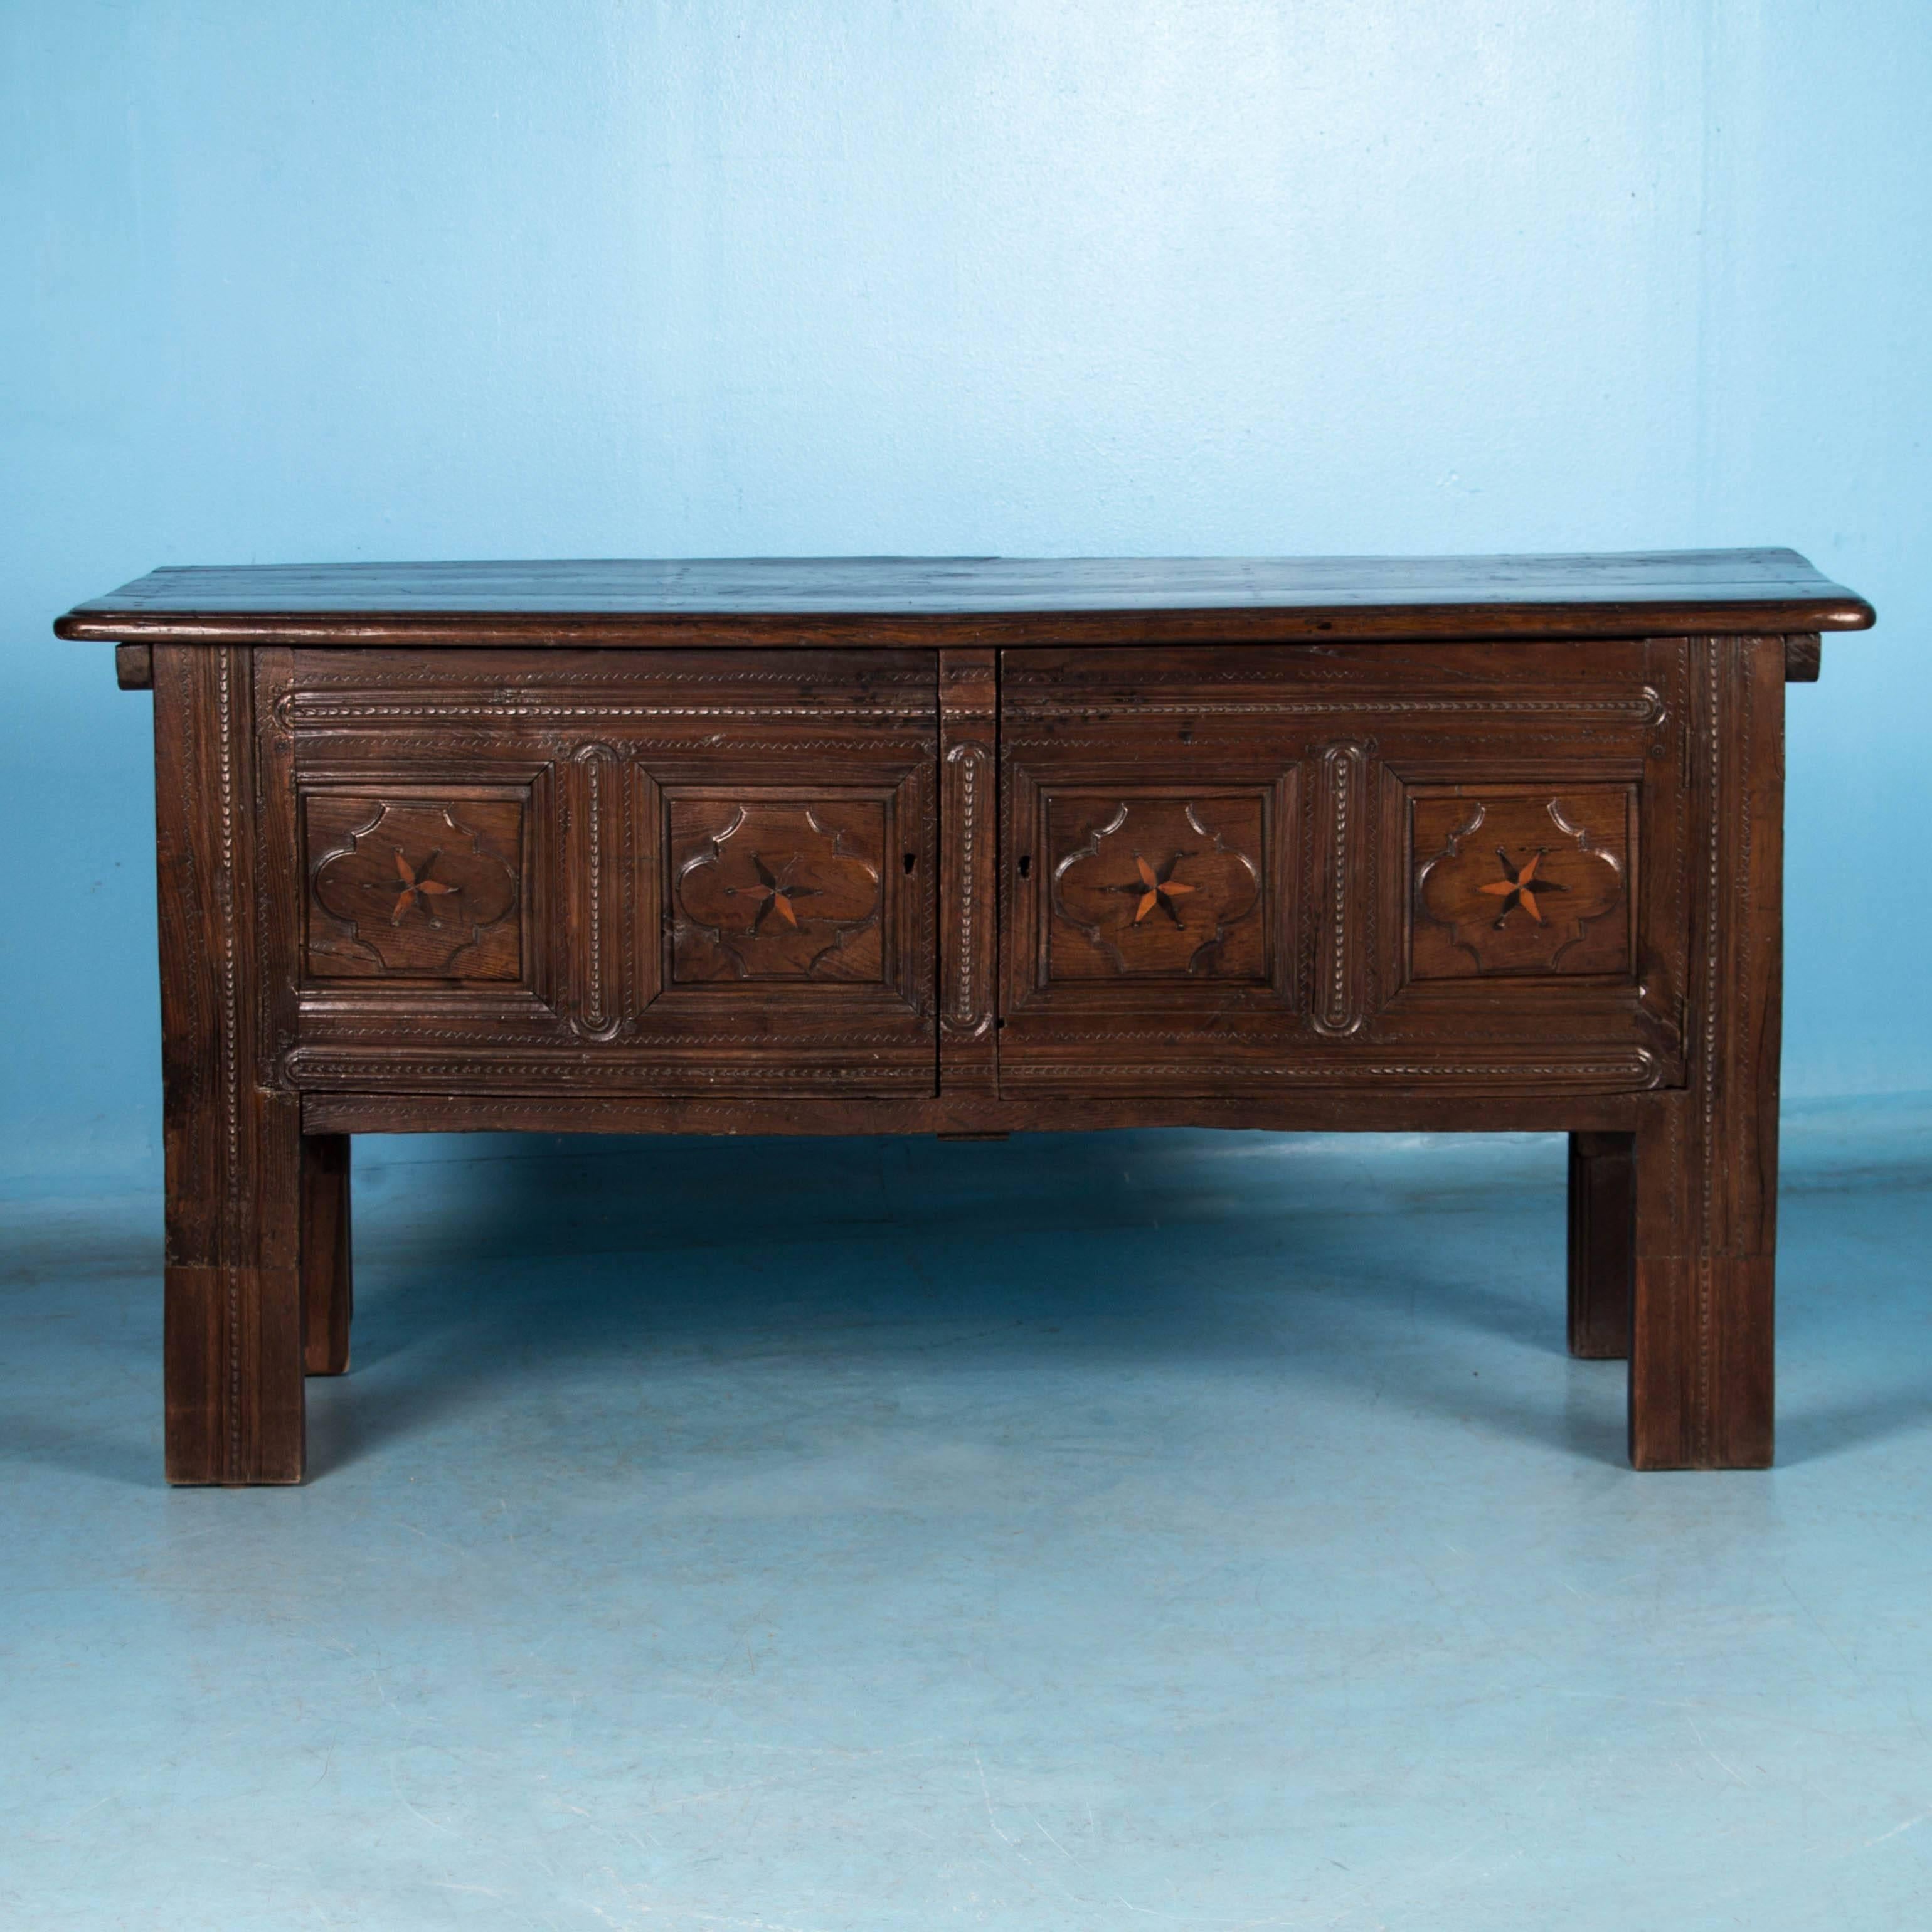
775	600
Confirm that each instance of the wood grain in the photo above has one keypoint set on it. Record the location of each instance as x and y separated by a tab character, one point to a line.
328	1285
1701	1352
650	789
937	601
232	1323
414	887
1529	880
969	848
1290	1106
1602	1234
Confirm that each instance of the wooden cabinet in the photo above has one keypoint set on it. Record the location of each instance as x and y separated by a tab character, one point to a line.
618	872
1265	868
966	848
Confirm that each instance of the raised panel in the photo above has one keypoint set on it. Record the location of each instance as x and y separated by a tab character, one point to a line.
1522	880
1383	782
729	864
777	889
414	887
1152	886
1153	877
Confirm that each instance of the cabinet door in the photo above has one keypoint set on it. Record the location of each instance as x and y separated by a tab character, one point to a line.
1234	871
616	871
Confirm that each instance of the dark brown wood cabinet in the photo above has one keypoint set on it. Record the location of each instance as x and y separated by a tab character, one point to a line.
692	872
966	847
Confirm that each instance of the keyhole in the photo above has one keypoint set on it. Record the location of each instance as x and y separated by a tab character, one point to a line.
911	860
1026	865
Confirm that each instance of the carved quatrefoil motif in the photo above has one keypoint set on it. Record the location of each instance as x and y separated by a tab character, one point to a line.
1521	882
768	890
413	888
1167	886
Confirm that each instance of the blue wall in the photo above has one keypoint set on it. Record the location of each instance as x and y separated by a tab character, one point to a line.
413	278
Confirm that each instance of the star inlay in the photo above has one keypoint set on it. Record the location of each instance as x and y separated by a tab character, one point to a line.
418	887
1156	889
1515	888
775	889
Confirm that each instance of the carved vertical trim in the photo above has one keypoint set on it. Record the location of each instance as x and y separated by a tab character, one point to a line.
627	882
969	880
231	1022
1714	807
595	1015
203	757
648	919
224	890
281	886
287	1170
966	1011
920	921
593	818
1343	890
267	863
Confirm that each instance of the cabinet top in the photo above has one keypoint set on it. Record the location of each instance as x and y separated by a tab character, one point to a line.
897	600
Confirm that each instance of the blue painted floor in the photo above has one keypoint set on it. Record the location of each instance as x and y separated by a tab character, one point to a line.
1152	1530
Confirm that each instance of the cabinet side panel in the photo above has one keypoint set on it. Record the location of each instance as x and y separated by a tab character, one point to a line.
233	1346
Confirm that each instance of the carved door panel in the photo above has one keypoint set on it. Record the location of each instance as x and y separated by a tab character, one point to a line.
1357	865
617	871
1152	879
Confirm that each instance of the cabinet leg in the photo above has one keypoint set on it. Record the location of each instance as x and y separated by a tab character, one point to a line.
328	1285
236	1168
232	1320
1602	1234
1701	1335
233	1368
1701	1332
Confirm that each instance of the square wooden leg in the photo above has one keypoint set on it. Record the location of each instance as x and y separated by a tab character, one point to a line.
1701	1367
232	1356
1701	1330
237	1171
1602	1234
328	1290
